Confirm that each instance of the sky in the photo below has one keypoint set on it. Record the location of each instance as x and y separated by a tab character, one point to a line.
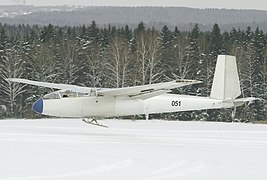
229	4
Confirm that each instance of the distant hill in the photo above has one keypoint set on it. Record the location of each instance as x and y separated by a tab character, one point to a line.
182	17
12	11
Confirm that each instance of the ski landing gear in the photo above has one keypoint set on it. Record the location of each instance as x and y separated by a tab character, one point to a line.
93	121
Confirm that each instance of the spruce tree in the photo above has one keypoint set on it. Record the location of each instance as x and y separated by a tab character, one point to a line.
259	43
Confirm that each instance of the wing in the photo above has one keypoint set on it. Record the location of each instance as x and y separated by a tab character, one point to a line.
73	88
146	91
140	92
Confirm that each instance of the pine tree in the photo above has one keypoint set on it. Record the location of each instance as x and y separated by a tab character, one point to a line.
90	57
214	49
258	74
167	59
192	54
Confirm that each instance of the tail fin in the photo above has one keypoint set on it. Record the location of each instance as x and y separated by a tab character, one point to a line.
226	83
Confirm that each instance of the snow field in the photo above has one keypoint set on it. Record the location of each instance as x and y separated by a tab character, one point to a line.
66	149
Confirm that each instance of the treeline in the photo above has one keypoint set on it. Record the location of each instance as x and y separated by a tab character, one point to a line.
119	57
156	17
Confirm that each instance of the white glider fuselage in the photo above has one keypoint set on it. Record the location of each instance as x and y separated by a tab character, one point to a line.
122	106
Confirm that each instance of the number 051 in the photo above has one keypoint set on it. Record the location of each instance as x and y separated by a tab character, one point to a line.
176	103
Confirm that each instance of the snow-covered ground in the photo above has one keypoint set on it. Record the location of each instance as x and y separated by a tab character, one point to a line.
68	149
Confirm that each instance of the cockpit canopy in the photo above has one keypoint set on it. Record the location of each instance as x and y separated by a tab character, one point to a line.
64	94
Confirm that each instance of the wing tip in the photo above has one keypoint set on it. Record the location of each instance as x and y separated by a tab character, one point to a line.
187	81
9	79
14	79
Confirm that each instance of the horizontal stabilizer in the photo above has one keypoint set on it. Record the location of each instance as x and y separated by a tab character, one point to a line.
241	101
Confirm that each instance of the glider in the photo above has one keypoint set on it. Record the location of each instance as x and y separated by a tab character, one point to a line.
86	102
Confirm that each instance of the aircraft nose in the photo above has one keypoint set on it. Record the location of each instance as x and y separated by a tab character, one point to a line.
38	106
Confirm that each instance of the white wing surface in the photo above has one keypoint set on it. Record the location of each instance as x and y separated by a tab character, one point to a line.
140	92
73	88
146	91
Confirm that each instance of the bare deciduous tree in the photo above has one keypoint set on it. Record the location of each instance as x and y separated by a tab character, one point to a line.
11	66
153	56
118	58
181	63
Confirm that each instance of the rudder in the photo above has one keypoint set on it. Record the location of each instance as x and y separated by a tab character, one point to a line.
226	83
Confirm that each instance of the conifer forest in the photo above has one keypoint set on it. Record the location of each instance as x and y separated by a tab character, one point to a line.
115	56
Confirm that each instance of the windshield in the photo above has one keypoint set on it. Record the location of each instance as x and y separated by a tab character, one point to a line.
53	95
67	94
64	94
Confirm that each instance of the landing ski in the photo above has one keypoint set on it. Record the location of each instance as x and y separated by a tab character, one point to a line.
94	122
